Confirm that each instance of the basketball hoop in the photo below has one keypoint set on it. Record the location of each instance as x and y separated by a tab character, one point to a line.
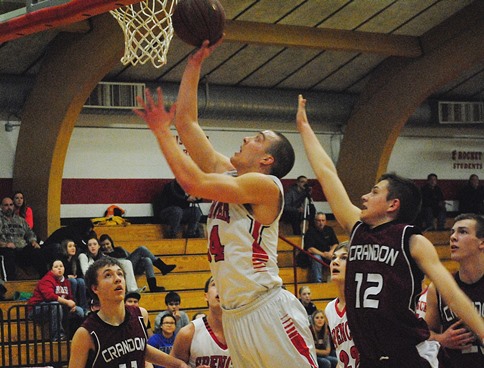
147	29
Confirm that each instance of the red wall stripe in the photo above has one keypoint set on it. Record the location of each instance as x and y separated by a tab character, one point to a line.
102	191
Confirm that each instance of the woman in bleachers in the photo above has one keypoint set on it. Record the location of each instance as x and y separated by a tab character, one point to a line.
320	331
68	254
22	209
94	253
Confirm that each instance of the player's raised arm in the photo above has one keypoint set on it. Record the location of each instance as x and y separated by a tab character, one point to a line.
424	253
191	134
345	212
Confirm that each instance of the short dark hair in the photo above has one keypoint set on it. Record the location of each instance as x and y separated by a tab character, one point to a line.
407	192
53	260
284	156
477	218
207	283
172	296
91	274
165	316
431	175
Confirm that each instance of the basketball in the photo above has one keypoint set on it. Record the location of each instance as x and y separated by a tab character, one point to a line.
197	20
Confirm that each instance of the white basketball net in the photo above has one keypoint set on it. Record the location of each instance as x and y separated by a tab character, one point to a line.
147	31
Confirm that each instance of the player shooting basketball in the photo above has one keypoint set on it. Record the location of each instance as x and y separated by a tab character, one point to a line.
265	326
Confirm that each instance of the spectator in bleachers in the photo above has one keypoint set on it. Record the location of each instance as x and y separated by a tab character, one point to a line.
320	240
460	347
22	209
79	232
305	299
69	256
94	253
142	259
164	339
294	200
175	207
433	205
471	197
172	301
52	301
18	243
322	342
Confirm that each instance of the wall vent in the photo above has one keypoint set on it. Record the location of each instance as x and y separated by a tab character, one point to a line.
111	95
461	112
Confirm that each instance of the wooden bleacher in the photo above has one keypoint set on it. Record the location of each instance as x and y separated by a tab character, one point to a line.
192	270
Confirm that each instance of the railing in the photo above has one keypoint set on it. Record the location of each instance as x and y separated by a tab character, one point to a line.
295	250
29	341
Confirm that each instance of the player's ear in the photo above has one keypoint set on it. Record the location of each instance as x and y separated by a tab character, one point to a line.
394	205
267	160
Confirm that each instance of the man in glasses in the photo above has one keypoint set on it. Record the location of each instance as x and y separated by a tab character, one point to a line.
172	301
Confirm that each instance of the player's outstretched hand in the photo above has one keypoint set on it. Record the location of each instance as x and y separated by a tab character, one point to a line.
154	113
203	52
301	117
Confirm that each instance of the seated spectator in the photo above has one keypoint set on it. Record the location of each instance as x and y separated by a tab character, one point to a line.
175	207
305	299
22	209
172	301
18	243
294	200
68	255
433	205
165	339
79	232
322	343
132	299
471	197
142	259
52	301
94	253
320	240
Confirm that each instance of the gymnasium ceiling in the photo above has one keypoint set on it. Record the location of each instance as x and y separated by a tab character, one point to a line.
259	50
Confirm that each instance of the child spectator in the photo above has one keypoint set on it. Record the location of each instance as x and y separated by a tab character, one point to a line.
172	301
319	328
52	301
22	209
166	337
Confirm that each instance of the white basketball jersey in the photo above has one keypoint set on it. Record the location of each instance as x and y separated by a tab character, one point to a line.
206	349
242	252
346	350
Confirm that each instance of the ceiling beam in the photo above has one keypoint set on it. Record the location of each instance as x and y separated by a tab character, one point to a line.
321	38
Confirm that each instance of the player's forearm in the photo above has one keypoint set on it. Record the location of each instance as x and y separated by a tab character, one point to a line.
187	101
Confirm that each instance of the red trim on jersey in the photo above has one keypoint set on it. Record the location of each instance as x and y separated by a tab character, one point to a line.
259	256
212	334
338	312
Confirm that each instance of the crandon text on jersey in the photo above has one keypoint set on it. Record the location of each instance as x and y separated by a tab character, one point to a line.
373	252
118	350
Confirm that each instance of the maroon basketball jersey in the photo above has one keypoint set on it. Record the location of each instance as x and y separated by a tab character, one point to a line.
117	346
474	356
382	286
